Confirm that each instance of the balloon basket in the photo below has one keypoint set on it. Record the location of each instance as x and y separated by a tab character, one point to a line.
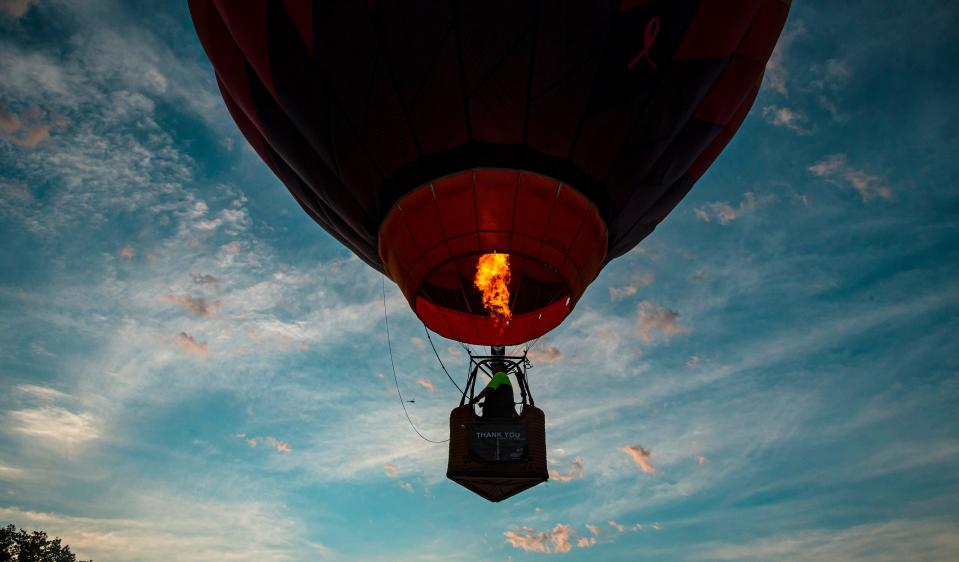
497	458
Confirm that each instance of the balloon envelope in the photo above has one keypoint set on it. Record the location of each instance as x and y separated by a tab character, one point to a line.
423	135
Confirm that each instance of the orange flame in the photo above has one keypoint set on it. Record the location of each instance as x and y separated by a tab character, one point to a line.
492	279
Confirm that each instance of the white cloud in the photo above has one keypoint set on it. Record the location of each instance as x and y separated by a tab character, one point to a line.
195	529
11	472
55	426
43	393
836	169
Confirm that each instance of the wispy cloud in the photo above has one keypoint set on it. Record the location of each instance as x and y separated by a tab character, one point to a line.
835	168
618	526
637	282
191	345
268	441
40	351
197	305
620	293
425	383
642	457
54	419
546	354
786	117
204	279
544	542
725	213
280	446
654	318
28	129
901	539
830	78
43	393
14	193
777	72
575	471
55	425
11	472
833	74
391	469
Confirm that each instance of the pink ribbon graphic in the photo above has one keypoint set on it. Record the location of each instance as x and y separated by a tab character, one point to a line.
649	37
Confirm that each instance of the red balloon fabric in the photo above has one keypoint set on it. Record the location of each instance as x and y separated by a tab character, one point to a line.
423	135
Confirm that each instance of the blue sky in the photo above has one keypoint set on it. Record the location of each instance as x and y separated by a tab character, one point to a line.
192	370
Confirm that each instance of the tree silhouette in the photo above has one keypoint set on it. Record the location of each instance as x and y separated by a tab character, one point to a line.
32	547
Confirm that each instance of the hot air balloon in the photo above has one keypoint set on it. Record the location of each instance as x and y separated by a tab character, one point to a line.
425	135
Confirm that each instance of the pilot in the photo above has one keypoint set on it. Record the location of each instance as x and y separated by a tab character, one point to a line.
498	394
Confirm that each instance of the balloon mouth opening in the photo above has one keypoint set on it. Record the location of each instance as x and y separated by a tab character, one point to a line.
531	285
550	236
449	301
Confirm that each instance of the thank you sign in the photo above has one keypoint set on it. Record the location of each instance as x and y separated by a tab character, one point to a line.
498	441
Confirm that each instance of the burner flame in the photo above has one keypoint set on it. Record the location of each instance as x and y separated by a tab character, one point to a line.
492	279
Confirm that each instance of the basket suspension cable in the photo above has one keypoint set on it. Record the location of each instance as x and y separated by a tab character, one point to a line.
440	360
517	366
470	378
530	346
399	395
